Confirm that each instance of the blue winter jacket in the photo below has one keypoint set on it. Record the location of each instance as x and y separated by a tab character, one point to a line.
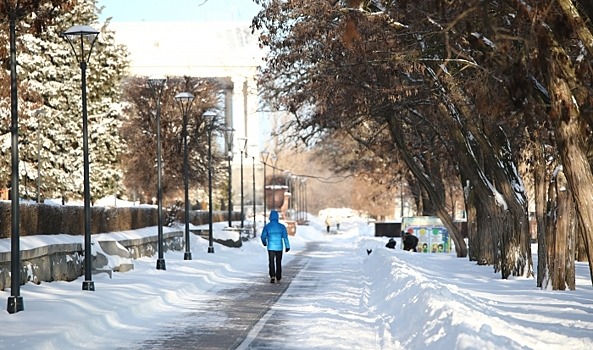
274	234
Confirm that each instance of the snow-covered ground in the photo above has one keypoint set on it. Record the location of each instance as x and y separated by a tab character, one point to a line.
412	300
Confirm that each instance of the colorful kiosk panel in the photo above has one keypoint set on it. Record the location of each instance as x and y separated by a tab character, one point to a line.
432	235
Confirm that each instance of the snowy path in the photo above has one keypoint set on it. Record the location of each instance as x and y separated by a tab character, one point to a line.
322	308
318	295
333	296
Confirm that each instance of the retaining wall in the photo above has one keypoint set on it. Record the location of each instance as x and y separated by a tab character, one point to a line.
65	261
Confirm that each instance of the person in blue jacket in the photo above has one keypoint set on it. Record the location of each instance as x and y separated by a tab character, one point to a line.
275	237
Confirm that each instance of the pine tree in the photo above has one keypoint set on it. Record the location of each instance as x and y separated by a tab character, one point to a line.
53	132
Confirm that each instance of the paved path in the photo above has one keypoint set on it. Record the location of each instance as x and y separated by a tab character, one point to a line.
266	316
239	310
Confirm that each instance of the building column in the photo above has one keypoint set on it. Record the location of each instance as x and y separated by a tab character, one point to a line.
238	108
252	116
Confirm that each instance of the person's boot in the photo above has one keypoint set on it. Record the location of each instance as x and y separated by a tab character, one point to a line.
273	280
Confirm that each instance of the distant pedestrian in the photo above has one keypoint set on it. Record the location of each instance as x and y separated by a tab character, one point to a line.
410	242
391	244
275	237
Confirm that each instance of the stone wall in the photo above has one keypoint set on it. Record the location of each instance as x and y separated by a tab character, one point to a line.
65	262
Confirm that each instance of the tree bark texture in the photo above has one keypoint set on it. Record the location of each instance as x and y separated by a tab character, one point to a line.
541	183
508	213
560	237
436	198
569	131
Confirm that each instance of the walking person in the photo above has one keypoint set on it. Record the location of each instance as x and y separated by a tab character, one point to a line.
275	237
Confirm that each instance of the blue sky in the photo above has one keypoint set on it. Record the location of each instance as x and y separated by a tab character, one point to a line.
179	10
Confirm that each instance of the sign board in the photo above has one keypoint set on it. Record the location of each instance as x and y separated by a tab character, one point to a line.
432	235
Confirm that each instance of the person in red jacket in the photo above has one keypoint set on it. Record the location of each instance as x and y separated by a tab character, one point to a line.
275	237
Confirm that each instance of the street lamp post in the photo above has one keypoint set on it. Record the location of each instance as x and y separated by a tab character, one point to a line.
15	301
157	85
185	100
304	180
274	161
290	199
264	158
254	209
77	36
242	147
297	197
300	198
209	117
302	191
229	145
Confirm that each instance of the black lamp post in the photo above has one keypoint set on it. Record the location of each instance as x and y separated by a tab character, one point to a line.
185	100
253	178
157	85
229	145
82	38
287	176
242	147
209	117
293	197
301	200
297	190
304	180
264	158
15	301
274	161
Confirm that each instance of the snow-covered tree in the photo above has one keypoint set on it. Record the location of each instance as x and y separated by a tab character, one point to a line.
51	135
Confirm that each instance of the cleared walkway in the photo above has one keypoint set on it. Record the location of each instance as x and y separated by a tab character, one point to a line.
289	315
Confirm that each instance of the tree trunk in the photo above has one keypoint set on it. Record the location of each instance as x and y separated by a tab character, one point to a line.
557	260
516	238
581	249
569	131
560	237
471	217
437	200
539	174
501	183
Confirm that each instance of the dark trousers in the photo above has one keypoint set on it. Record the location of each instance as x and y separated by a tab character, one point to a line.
275	263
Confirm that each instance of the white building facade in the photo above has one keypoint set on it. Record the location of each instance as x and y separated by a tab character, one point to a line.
224	50
227	51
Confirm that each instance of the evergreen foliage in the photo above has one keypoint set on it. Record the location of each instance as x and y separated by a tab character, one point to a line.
50	109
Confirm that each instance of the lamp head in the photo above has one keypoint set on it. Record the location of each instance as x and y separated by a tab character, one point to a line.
274	159
156	82
209	117
157	85
229	132
81	38
242	142
185	100
264	156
